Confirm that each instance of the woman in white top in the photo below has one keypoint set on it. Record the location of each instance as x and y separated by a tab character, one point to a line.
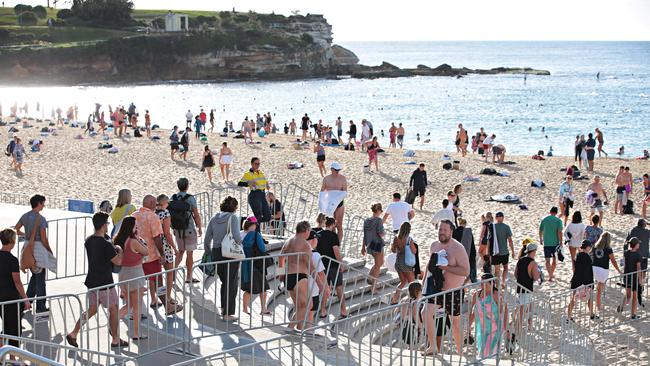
574	233
566	197
225	159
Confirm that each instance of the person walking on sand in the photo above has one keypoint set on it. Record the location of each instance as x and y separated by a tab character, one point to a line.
590	146
632	260
646	195
418	183
550	236
211	121
336	182
566	197
225	160
247	130
188	119
601	142
400	136
320	158
304	126
462	139
185	142
503	235
582	280
186	222
487	145
174	141
392	135
292	127
339	129
372	147
19	156
208	162
399	211
621	194
602	256
147	122
574	233
373	241
352	133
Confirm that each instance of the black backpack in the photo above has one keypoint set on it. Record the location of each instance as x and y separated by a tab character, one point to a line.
629	208
180	212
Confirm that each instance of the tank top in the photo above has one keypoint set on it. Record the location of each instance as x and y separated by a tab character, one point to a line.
130	259
523	278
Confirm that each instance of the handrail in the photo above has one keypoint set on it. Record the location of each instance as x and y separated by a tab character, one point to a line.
27	356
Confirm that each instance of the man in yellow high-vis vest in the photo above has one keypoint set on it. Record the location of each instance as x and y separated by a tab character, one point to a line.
255	179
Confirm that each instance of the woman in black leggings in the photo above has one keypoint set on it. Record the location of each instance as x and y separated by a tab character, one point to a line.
11	287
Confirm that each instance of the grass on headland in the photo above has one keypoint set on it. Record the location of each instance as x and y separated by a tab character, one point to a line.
8	17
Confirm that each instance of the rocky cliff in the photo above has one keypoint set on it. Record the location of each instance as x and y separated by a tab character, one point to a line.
295	47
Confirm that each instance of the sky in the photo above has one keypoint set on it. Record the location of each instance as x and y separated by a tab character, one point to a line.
430	20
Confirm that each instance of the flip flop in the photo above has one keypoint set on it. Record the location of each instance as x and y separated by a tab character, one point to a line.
122	343
175	310
194	280
156	305
139	338
72	341
323	316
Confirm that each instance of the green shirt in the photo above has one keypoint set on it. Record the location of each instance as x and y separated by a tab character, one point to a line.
549	228
502	232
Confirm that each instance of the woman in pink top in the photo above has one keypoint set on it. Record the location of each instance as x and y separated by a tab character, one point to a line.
131	273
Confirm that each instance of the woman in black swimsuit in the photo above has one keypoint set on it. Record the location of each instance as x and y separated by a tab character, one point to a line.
208	162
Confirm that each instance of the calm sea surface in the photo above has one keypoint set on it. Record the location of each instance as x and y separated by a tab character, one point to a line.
569	102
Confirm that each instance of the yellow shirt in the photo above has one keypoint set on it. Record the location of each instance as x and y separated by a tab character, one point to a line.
255	180
119	212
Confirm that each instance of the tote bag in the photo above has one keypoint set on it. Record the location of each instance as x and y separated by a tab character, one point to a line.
409	256
229	247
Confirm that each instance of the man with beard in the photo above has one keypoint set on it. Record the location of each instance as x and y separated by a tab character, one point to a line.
455	273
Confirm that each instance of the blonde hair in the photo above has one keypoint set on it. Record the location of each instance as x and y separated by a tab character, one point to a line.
320	219
605	240
123	198
8	236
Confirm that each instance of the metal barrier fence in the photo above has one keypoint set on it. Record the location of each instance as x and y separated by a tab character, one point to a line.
621	349
299	204
204	205
353	236
23	200
615	305
43	333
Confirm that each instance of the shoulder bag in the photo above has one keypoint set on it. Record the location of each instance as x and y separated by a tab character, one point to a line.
27	260
229	247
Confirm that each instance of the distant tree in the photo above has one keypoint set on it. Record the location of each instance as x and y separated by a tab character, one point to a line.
27	18
40	11
64	14
20	8
103	11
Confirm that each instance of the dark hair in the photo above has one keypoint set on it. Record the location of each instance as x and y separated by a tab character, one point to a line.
445	202
303	227
413	288
451	224
591	135
248	224
182	184
206	148
329	221
553	210
397	195
633	242
422	164
229	204
376	207
595	219
253	160
457	187
99	219
36	200
577	217
125	232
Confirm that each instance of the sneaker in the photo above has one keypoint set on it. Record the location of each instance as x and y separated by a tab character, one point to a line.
594	317
619	309
634	317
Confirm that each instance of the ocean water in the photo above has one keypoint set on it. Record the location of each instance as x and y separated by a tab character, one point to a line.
569	102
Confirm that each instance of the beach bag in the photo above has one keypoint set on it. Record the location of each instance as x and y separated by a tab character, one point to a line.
262	263
137	133
180	212
629	208
208	269
446	166
117	226
229	247
410	196
390	261
27	260
488	171
409	256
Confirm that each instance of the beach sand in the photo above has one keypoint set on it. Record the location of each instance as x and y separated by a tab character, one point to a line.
73	168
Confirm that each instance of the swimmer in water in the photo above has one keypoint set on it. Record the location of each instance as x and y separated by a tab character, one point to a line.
530	129
418	137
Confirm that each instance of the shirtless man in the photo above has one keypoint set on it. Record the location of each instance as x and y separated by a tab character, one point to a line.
597	188
400	136
455	273
299	267
336	182
620	181
462	139
247	129
601	142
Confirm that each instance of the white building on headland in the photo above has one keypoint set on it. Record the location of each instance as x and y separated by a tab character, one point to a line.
176	22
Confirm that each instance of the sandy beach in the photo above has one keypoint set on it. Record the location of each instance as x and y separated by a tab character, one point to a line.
76	168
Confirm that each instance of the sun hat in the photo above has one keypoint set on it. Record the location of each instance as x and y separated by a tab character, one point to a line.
336	166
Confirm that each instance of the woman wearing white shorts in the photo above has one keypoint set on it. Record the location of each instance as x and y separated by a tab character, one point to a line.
602	256
574	233
225	159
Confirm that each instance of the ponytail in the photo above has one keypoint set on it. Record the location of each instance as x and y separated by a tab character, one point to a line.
522	251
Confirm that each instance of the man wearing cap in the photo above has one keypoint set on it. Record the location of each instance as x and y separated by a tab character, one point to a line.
503	236
255	179
643	234
336	182
550	236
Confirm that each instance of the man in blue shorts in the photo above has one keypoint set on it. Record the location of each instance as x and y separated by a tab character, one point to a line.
550	236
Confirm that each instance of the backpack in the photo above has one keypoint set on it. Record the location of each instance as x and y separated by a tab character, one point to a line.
136	133
629	208
180	212
488	171
446	166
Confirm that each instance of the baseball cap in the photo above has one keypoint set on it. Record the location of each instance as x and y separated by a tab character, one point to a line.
499	214
530	247
252	219
336	166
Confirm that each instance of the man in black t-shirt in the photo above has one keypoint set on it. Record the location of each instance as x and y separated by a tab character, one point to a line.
631	277
102	255
418	183
329	247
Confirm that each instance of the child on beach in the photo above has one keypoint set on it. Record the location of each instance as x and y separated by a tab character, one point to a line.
486	316
410	317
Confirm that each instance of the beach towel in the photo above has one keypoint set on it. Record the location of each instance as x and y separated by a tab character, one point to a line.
294	165
409	153
504	174
445	157
328	201
538	157
410	162
155	138
113	150
537	183
488	171
488	326
470	178
505	198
